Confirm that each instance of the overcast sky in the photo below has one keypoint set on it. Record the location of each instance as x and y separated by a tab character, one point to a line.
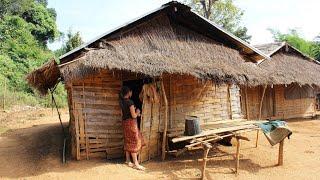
95	17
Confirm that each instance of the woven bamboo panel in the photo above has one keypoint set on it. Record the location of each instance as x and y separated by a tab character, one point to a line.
210	102
98	129
284	108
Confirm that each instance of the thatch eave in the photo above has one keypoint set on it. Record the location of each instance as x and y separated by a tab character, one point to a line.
45	77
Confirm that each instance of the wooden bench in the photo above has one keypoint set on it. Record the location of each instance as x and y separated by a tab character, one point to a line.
214	133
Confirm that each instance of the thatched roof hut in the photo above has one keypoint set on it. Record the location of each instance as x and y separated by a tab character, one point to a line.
288	65
294	76
178	41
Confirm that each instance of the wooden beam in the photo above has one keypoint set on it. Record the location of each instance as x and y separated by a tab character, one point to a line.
280	157
164	138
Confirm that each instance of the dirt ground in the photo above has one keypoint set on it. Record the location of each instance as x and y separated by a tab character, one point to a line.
31	141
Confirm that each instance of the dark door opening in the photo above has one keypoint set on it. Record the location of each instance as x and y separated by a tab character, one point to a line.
318	102
136	87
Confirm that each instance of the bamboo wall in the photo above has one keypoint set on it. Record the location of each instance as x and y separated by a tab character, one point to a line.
96	125
95	115
189	96
284	108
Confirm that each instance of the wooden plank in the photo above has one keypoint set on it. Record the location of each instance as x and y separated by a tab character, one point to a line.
215	131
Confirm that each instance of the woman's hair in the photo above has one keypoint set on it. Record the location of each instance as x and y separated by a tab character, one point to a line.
124	91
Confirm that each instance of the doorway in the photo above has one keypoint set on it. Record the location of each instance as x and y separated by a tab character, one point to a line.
268	105
136	87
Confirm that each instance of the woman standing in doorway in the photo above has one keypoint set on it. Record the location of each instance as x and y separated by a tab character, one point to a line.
133	141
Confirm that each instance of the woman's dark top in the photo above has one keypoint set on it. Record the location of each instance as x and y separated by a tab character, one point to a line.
125	106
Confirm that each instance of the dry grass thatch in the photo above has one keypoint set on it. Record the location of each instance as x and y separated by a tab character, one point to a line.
172	49
285	68
45	77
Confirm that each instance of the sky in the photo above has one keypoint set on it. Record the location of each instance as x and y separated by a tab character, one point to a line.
95	17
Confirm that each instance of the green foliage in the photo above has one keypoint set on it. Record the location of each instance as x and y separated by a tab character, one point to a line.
224	13
13	7
25	28
19	51
73	40
294	38
316	48
42	22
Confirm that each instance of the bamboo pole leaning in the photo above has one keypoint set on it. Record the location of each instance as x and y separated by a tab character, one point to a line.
260	109
164	137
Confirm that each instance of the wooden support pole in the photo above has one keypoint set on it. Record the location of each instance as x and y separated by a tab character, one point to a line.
206	149
280	157
164	138
257	137
230	102
247	103
261	101
4	94
237	156
85	123
260	111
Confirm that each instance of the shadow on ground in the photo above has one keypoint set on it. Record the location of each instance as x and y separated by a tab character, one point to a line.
37	150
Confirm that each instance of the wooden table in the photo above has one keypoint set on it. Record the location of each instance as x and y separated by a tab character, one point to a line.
215	133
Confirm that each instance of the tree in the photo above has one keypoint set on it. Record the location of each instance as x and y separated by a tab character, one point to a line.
35	12
316	48
73	40
43	23
224	13
294	38
19	51
14	7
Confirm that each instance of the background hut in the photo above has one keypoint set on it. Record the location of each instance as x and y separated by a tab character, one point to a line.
293	80
184	64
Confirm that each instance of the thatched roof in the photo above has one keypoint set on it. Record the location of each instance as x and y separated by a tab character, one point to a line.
44	78
288	65
171	39
172	49
180	14
175	40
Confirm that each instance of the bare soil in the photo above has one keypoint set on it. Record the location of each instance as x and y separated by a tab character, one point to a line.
31	143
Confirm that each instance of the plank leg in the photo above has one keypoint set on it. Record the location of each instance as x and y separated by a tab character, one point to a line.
280	156
237	156
206	148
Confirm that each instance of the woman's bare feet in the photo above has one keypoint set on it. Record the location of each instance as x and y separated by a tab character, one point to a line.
130	164
139	167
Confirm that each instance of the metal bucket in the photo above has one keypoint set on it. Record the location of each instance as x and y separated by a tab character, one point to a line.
192	126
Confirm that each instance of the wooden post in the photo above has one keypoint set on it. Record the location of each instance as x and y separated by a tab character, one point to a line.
260	111
247	103
280	157
237	156
230	102
85	123
261	101
206	149
164	138
4	94
257	138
